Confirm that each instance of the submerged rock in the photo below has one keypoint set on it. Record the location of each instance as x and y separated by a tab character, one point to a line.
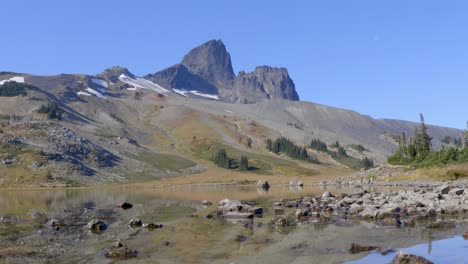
465	235
405	258
355	248
118	251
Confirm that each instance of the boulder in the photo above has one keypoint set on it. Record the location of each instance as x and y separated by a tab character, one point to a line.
54	223
238	215
465	235
135	223
125	205
96	226
206	203
456	191
118	251
405	258
296	182
263	184
444	189
327	195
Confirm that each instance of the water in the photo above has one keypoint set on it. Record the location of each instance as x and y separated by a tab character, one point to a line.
188	236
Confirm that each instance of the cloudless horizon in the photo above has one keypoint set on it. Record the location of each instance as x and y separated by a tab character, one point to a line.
386	59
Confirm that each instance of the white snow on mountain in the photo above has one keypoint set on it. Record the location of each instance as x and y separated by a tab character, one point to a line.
100	82
181	92
83	93
17	79
211	96
96	93
142	83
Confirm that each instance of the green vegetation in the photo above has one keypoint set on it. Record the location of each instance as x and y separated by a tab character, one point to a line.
417	151
360	148
221	159
244	163
52	110
284	145
367	163
10	89
161	161
339	155
318	145
258	163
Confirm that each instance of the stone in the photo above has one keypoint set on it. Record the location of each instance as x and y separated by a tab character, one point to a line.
54	224
296	182
444	189
355	248
281	222
405	258
465	235
327	195
263	184
206	203
135	223
456	191
125	205
238	215
279	210
96	226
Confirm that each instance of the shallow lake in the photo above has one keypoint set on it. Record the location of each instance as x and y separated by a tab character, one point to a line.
188	236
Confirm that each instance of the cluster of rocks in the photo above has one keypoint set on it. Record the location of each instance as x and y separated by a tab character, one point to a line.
237	211
397	208
119	251
137	223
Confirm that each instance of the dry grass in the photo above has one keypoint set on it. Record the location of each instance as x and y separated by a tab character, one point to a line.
451	172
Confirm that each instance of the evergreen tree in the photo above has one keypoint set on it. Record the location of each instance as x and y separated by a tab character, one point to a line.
319	145
367	163
221	159
465	134
244	163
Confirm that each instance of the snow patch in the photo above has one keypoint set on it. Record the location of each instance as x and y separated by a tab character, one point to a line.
142	83
96	93
211	96
17	79
231	112
132	89
100	82
83	93
181	92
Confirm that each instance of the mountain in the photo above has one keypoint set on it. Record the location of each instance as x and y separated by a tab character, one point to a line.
208	69
264	83
119	127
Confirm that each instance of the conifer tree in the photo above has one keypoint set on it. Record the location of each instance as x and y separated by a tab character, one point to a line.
244	163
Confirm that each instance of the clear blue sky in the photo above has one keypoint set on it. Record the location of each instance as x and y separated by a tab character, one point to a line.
391	59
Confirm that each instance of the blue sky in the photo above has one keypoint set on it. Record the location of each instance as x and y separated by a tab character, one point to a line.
387	59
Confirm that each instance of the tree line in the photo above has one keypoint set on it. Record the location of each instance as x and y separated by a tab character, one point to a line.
11	88
52	110
418	149
288	147
222	160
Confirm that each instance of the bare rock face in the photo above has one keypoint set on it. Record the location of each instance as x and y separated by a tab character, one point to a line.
179	77
264	83
212	62
208	69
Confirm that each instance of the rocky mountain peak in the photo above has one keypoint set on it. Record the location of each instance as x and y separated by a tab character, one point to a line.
212	62
112	74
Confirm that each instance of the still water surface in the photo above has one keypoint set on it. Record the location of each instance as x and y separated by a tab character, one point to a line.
188	236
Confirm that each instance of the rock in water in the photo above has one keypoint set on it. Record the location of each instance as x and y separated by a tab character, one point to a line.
96	226
135	223
206	203
126	205
263	184
355	248
405	258
296	183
